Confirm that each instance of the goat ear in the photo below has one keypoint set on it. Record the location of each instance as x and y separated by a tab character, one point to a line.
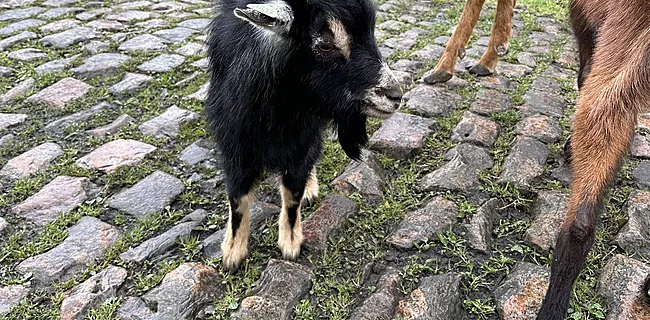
352	136
276	16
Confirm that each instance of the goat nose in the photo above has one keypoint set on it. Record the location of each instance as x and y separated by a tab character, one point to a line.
389	85
394	91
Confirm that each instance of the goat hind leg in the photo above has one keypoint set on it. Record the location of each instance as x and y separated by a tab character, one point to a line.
444	70
292	191
311	189
604	126
499	39
235	242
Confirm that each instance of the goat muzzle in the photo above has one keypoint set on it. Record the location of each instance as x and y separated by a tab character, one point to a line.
383	100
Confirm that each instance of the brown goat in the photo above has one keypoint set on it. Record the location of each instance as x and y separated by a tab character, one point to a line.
613	39
497	47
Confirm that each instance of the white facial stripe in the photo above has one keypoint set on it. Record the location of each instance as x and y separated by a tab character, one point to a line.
341	36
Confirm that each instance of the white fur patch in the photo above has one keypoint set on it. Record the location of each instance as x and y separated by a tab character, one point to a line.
341	36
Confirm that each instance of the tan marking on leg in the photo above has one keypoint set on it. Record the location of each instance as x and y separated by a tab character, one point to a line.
341	36
500	35
311	189
289	240
235	249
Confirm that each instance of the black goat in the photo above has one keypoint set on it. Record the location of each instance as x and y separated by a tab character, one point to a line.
280	73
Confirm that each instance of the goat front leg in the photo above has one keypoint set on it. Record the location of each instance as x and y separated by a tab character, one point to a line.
499	39
604	125
292	191
235	242
444	70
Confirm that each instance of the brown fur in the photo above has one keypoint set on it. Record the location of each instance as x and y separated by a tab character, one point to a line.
498	45
614	86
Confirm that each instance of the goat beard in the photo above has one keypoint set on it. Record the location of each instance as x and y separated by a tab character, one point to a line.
352	135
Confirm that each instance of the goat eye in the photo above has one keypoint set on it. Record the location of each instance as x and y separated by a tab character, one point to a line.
325	47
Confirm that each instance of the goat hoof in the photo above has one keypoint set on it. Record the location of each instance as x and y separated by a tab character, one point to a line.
480	70
438	77
502	50
233	257
461	53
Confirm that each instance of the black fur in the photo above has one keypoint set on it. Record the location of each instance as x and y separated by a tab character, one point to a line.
268	109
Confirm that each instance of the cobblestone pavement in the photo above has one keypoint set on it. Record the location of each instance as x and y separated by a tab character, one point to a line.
113	206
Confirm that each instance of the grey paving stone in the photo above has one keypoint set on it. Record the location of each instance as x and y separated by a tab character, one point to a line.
640	147
92	14
479	228
145	43
202	93
476	129
20	26
6	139
58	12
134	5
391	25
163	242
489	101
162	63
95	47
58	65
27	54
333	210
57	126
400	43
86	242
431	101
622	288
21	13
128	16
437	297
499	83
513	70
544	97
168	6
436	216
192	49
6	43
406	65
149	195
366	177
21	89
194	154
31	162
10	296
401	135
92	292
59	3
281	286
175	35
130	83
114	126
61	93
115	154
182	293
634	237
461	172
65	39
59	25
550	212
525	162
4	226
642	173
106	25
540	127
197	24
527	58
150	24
383	301
168	124
60	196
520	295
5	72
201	64
429	52
100	65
